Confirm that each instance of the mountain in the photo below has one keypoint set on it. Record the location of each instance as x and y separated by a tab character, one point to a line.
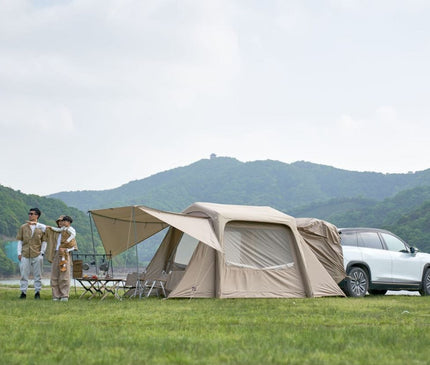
370	213
302	189
397	202
226	180
14	207
414	226
406	214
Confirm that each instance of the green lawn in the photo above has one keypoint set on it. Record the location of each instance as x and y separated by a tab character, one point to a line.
371	330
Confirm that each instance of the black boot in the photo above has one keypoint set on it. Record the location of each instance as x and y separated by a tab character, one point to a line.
37	295
23	296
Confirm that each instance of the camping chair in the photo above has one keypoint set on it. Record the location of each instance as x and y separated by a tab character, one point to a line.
134	285
155	285
129	284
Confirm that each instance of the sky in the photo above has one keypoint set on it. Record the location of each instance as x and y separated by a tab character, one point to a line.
94	94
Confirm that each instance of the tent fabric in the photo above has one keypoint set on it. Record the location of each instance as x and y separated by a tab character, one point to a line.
314	277
124	227
198	280
240	252
324	240
165	251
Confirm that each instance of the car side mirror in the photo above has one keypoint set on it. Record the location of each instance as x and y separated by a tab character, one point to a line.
413	249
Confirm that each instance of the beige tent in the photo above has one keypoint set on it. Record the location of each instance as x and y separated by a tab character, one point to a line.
223	251
324	240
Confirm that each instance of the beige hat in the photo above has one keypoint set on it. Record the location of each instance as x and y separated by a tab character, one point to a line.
60	218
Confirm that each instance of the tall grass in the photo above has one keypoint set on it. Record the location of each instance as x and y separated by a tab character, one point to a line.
371	330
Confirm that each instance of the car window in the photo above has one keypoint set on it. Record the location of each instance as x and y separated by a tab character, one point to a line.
369	240
348	239
393	243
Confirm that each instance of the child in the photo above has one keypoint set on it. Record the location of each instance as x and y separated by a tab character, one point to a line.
68	242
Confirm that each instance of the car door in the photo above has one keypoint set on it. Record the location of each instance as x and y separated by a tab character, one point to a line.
376	256
406	267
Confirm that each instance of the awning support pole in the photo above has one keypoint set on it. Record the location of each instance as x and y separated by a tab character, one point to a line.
92	239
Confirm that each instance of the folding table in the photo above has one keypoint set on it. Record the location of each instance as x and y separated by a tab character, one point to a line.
101	286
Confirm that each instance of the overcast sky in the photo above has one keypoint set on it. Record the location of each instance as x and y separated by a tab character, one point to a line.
94	94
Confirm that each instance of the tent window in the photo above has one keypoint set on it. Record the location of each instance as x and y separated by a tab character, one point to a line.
260	246
185	249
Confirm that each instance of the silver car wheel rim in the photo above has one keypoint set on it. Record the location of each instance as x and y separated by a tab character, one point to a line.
427	283
359	283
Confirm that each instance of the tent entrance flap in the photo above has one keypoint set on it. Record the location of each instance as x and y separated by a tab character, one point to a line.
124	227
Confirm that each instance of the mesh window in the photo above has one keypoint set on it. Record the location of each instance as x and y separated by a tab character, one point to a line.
185	249
259	246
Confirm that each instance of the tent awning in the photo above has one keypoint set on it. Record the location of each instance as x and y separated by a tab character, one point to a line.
123	227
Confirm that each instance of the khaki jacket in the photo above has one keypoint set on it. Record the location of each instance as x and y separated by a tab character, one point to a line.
31	243
51	239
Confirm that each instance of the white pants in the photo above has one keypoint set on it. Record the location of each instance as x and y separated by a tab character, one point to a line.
26	266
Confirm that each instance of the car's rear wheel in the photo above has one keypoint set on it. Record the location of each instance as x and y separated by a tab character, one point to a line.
377	291
357	283
425	289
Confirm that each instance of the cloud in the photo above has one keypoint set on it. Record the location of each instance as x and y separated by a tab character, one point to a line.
384	139
382	120
347	123
143	86
386	115
31	116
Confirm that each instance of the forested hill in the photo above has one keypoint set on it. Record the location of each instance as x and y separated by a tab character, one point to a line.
397	202
14	207
227	180
407	214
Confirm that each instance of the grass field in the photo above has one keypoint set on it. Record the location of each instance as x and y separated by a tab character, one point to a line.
371	330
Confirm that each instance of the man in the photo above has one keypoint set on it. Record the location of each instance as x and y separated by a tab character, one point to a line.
31	249
61	246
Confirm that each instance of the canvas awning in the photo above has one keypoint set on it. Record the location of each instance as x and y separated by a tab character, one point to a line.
123	227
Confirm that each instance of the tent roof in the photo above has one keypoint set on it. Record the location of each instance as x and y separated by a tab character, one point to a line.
123	227
231	212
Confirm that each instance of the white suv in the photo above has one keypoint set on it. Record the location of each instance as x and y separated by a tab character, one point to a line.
377	260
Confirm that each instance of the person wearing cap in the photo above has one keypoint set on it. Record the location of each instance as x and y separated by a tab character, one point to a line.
51	237
60	271
31	249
